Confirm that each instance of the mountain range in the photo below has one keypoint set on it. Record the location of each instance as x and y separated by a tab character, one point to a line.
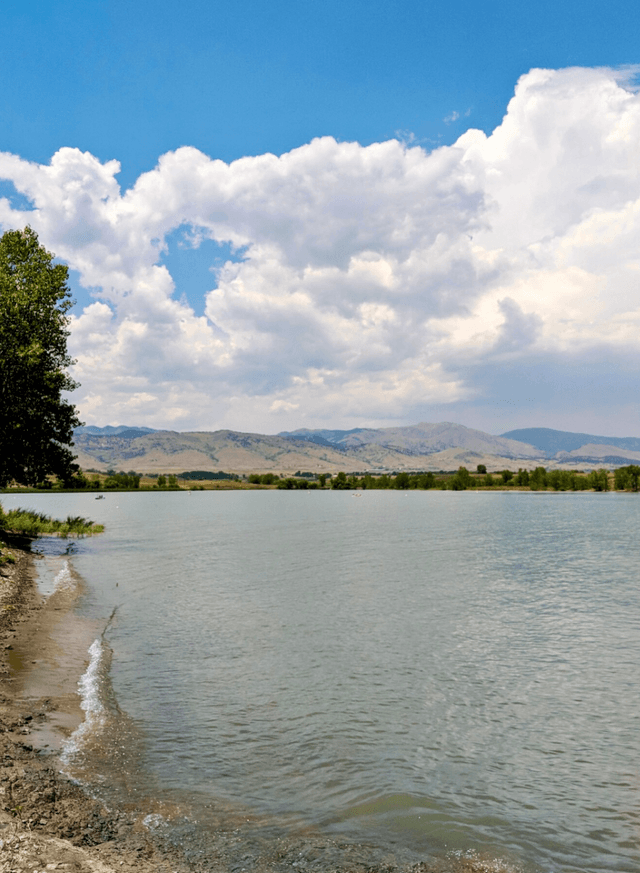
425	446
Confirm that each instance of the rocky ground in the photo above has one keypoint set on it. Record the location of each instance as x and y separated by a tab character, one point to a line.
49	823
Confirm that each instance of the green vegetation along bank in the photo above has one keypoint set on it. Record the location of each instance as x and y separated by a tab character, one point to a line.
26	523
622	479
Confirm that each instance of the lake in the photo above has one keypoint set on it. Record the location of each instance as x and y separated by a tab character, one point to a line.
431	671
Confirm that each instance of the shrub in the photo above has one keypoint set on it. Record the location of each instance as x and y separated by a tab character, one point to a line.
33	524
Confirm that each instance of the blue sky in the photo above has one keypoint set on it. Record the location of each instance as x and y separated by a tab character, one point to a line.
131	82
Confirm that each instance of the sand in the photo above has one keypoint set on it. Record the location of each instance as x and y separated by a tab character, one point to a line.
47	822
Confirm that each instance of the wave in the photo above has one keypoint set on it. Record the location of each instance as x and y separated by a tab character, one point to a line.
64	579
94	690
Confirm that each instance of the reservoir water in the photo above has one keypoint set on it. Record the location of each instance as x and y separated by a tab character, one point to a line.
431	671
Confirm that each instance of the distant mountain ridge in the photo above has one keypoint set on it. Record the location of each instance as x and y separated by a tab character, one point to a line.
418	439
111	430
554	441
424	446
320	437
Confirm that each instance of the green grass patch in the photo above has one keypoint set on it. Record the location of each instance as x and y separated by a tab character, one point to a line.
34	524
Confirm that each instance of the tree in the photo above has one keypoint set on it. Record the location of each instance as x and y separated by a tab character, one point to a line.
538	479
553	479
599	480
36	422
634	476
426	480
461	480
122	480
627	477
482	469
402	481
340	482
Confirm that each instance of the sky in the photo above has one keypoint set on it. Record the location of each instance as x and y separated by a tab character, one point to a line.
339	214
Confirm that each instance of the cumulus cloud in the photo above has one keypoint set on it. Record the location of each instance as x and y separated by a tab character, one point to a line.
375	283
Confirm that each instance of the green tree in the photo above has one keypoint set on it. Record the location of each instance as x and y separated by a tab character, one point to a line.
482	469
426	480
554	479
36	422
538	479
287	484
634	476
599	480
340	482
122	480
461	480
627	477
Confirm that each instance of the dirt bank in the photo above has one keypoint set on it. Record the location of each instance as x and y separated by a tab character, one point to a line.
49	823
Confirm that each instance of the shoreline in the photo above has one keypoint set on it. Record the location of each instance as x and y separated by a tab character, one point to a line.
47	821
45	818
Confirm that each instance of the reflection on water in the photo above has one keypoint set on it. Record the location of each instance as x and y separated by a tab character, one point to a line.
433	670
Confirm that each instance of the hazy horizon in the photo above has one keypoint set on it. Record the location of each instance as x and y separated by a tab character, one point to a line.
346	429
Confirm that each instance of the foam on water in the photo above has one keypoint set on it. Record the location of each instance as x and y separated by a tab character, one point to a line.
90	687
64	579
55	574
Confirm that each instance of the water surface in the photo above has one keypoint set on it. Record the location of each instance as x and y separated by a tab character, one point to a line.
429	670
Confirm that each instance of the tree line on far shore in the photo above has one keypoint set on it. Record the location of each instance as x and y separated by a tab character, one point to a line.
623	479
539	479
112	481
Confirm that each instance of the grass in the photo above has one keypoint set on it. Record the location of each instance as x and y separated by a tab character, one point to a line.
34	524
5	558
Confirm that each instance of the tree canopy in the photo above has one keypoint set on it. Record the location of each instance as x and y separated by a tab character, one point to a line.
36	422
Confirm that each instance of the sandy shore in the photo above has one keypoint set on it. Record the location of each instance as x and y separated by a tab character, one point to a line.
49	823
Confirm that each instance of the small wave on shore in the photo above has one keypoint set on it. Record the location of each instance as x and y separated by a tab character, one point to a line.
55	573
105	751
64	578
91	687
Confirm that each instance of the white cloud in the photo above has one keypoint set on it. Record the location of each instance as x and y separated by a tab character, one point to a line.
456	116
376	281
